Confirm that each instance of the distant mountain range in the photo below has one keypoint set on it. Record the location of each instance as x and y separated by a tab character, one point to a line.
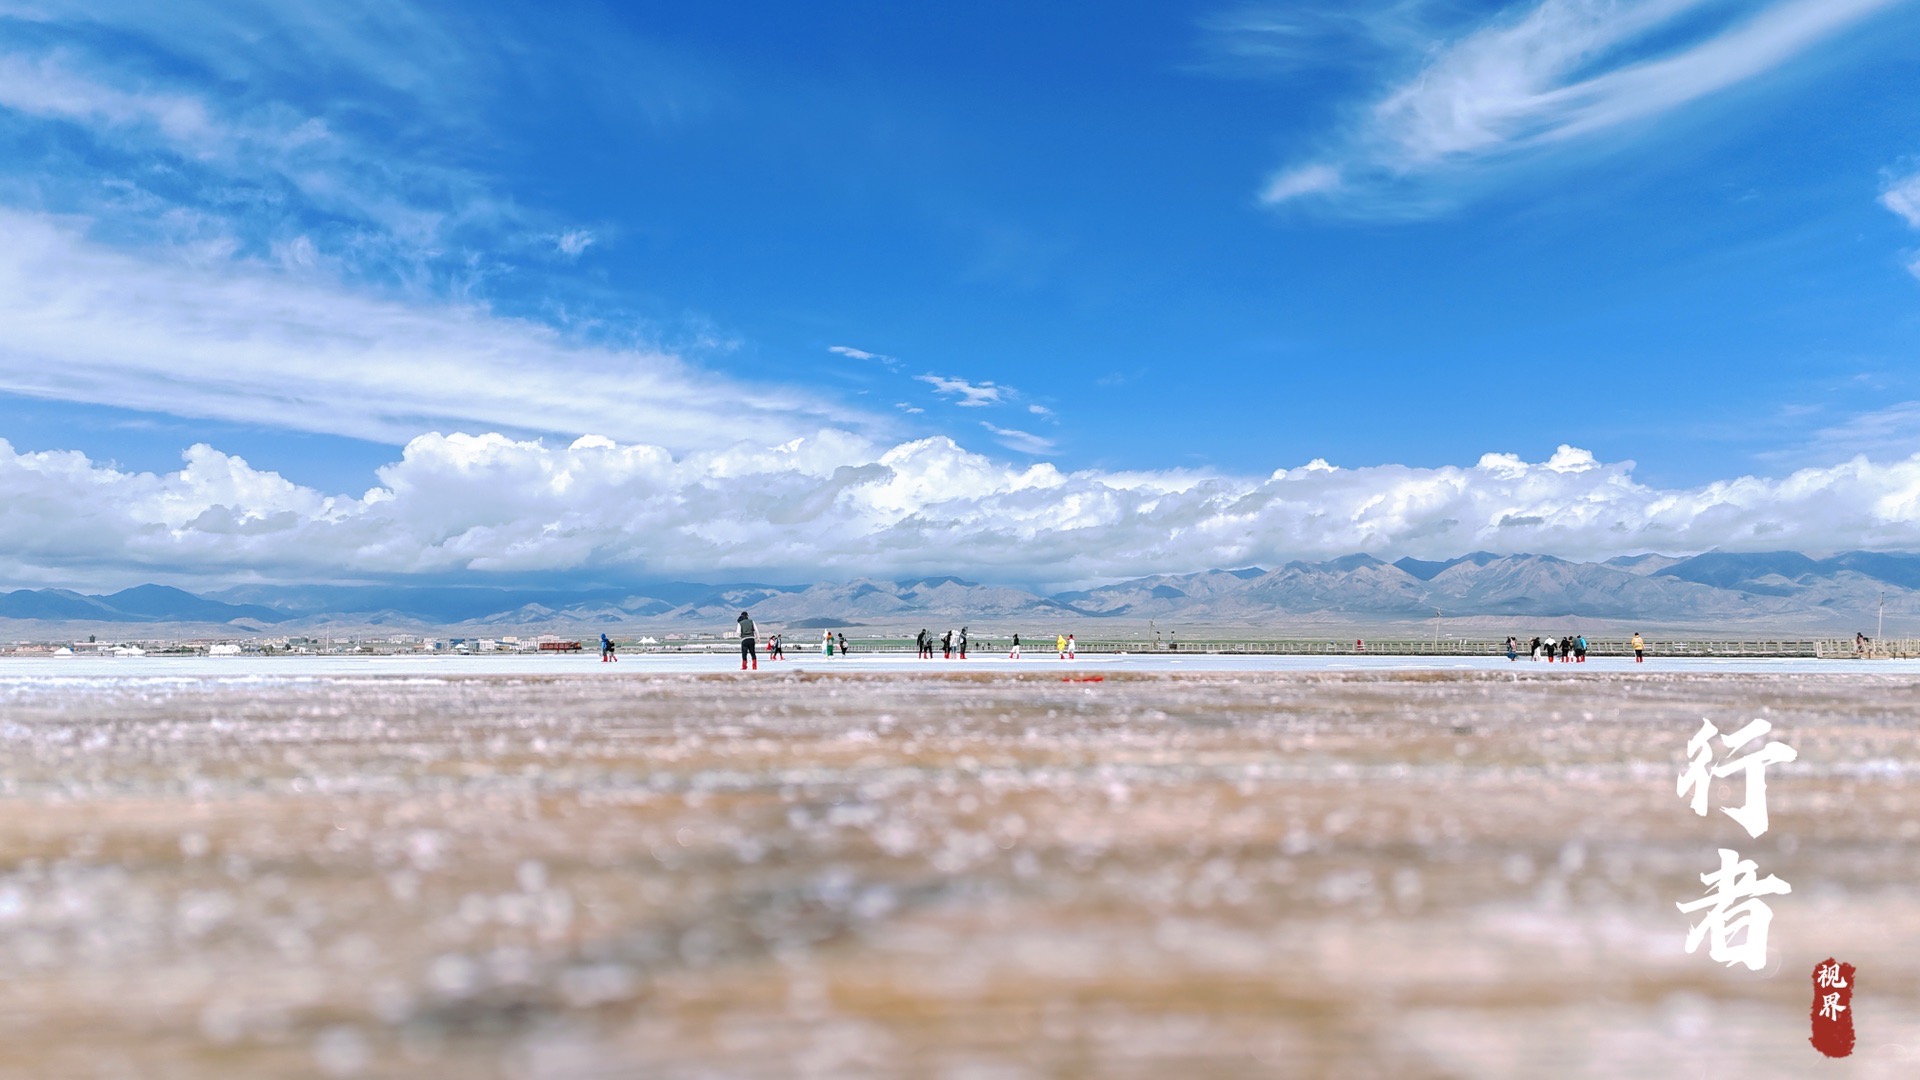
1785	590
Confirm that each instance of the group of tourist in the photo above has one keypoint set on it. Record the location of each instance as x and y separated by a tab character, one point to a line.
1571	649
951	641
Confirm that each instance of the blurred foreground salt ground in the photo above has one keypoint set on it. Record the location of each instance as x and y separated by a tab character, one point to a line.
1376	873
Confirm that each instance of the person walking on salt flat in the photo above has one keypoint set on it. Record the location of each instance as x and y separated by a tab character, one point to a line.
747	633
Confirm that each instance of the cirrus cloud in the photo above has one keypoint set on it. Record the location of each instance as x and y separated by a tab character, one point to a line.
1546	74
240	342
967	395
1901	194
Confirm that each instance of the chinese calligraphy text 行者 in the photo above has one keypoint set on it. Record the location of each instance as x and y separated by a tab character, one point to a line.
1734	919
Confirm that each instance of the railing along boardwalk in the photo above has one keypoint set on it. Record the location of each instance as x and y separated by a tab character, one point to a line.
1785	648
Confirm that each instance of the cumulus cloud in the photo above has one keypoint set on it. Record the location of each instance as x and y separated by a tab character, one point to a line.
493	503
1557	71
966	394
87	323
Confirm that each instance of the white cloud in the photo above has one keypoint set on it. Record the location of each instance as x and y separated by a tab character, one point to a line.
89	324
1891	429
1902	196
1040	410
968	395
263	120
851	353
492	503
910	410
249	172
45	88
1559	71
1305	180
1024	442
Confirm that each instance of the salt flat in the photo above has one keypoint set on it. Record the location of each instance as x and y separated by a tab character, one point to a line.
94	667
1210	866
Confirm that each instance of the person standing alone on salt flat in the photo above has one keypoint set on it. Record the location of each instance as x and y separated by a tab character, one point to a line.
1015	654
747	633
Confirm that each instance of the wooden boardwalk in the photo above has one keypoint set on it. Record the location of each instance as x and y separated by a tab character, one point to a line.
1801	648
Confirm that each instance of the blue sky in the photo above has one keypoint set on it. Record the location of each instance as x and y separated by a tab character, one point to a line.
1045	293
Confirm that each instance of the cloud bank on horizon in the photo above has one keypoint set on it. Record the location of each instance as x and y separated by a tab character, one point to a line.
834	505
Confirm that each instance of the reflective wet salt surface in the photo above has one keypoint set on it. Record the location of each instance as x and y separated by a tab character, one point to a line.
1375	873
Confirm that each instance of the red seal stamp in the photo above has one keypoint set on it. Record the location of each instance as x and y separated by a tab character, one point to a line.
1832	1008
